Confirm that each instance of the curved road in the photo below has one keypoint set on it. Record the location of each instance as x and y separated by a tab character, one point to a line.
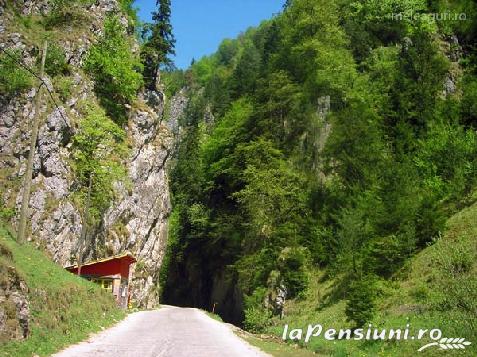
167	332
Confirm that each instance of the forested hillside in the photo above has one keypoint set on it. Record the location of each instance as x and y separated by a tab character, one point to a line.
330	144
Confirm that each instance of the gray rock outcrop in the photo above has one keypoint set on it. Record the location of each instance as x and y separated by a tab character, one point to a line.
136	220
142	211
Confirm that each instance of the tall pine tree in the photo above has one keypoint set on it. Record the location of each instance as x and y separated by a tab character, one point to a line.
159	43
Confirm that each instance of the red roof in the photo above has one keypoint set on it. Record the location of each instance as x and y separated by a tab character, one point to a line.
111	266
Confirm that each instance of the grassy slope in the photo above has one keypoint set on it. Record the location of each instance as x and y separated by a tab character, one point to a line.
437	289
64	309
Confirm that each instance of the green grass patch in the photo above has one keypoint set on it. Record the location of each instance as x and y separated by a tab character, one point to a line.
64	309
13	79
213	316
276	348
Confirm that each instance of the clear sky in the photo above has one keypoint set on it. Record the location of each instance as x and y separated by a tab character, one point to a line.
200	25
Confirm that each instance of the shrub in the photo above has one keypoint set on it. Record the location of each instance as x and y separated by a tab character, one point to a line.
292	264
55	61
360	304
6	213
257	317
13	78
63	86
115	69
98	147
173	81
385	255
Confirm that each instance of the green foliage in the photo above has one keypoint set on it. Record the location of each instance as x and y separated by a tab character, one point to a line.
371	24
229	126
245	75
55	63
173	81
6	213
204	69
98	150
257	317
227	51
172	241
115	69
292	263
13	78
63	86
361	300
469	102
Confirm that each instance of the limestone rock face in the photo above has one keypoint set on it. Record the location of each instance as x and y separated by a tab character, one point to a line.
136	220
178	104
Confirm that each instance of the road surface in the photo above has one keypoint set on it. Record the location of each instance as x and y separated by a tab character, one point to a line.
167	332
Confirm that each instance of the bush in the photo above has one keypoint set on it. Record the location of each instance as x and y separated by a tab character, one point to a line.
385	255
292	264
257	317
56	63
13	78
98	147
6	213
63	86
360	304
173	81
115	69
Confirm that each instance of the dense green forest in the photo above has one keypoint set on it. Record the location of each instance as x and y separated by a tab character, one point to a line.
341	139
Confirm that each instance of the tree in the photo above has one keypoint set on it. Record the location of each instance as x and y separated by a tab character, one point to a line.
159	43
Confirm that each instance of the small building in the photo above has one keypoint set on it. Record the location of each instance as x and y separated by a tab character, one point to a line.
111	273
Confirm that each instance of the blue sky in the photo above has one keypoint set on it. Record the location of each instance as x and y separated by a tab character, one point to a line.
200	25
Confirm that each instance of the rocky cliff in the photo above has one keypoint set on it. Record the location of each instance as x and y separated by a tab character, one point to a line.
136	220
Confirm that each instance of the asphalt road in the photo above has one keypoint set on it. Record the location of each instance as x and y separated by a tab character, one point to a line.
167	332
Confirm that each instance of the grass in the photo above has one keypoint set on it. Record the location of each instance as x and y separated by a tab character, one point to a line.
436	289
213	316
278	349
64	309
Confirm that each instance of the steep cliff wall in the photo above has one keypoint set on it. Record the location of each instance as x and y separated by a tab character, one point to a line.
136	220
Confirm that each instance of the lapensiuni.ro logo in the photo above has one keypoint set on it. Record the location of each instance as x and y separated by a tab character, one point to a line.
375	334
